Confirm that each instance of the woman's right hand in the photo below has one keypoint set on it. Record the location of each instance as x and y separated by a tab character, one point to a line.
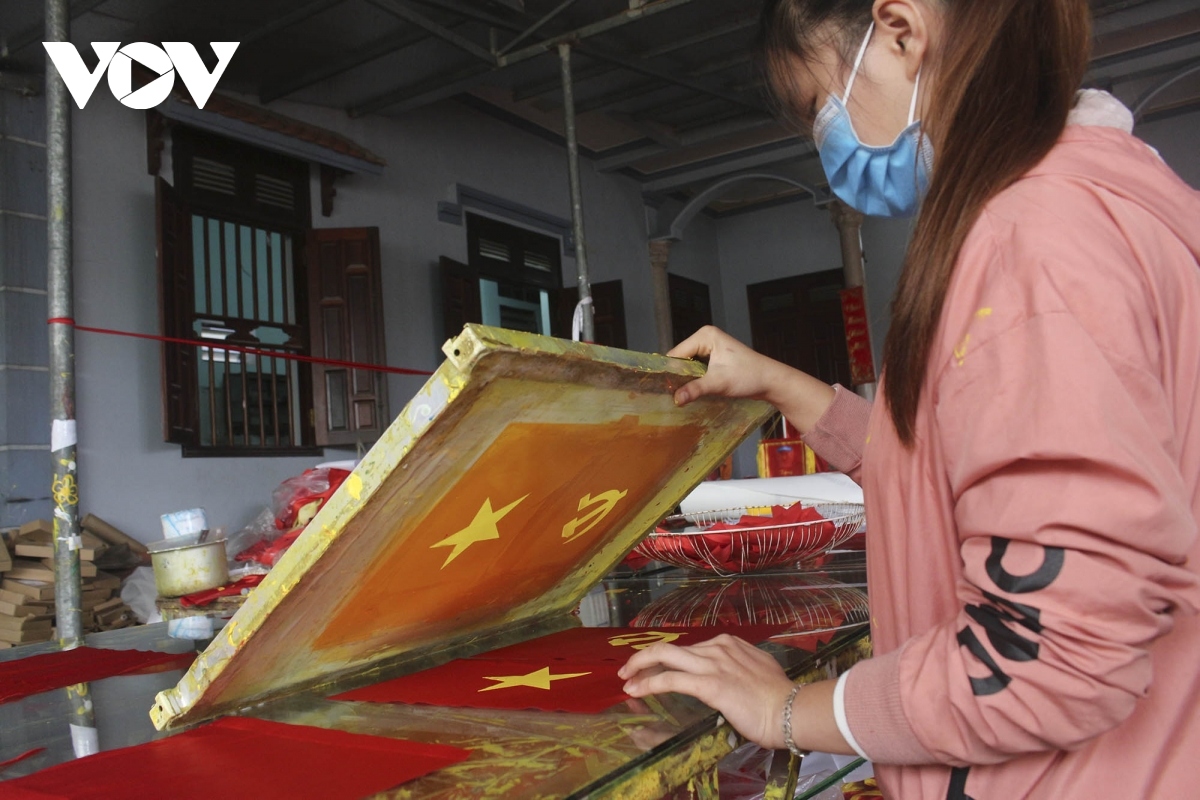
734	370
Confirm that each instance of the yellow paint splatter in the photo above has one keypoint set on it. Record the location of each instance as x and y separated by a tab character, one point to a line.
960	352
354	486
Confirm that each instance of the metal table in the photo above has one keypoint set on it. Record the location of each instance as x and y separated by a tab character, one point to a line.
634	750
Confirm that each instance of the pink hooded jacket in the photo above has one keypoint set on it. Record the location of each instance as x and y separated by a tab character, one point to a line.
1033	559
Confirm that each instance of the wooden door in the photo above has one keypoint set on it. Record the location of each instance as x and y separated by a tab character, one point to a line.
346	323
691	306
798	321
608	307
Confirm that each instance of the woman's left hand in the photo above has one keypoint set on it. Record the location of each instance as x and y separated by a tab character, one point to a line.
746	685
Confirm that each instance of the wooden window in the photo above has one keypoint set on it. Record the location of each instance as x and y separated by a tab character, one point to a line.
234	234
513	279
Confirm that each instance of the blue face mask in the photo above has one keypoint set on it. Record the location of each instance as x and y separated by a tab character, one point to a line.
878	181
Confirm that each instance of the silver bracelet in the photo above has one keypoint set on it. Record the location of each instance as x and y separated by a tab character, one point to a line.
787	724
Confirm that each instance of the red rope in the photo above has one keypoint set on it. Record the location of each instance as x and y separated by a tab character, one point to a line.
254	351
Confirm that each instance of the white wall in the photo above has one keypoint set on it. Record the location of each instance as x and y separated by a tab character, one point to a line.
127	474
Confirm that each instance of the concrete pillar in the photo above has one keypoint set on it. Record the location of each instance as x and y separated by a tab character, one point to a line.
660	255
849	222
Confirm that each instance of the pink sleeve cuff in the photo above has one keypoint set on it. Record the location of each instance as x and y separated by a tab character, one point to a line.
875	714
841	432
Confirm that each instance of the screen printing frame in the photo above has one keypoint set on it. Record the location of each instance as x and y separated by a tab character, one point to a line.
339	606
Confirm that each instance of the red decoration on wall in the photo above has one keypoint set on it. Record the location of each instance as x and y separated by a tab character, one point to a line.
858	336
242	757
36	674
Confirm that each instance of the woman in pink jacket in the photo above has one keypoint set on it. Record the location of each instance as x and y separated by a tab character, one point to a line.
1032	469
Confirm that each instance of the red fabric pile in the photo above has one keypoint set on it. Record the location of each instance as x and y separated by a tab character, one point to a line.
41	673
291	501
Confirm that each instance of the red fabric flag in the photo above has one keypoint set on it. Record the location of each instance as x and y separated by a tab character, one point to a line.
483	683
41	673
242	757
206	597
605	645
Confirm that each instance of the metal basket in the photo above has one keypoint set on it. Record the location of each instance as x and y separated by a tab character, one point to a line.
750	549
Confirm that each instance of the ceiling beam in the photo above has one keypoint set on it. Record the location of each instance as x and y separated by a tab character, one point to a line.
603	102
547	86
537	26
633	14
36	33
706	35
626	61
635	64
384	46
287	20
399	9
1128	43
407	98
686	138
787	150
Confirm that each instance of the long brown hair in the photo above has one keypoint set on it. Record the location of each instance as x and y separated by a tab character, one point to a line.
1004	81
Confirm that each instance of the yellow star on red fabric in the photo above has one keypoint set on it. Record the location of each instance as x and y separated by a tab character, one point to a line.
481	529
534	680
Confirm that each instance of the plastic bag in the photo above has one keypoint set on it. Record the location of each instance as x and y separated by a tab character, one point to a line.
261	528
139	592
297	499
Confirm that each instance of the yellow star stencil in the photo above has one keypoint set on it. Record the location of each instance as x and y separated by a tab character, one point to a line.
534	680
481	529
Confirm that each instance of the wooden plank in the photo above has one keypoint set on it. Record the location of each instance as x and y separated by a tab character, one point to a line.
38	623
86	568
18	609
110	534
24	569
26	550
26	637
34	590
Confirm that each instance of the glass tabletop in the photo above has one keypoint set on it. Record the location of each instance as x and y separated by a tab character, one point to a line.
635	748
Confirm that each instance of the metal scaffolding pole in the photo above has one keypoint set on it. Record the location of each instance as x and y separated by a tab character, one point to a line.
65	490
581	265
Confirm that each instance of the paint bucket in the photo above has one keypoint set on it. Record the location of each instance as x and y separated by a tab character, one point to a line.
186	564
